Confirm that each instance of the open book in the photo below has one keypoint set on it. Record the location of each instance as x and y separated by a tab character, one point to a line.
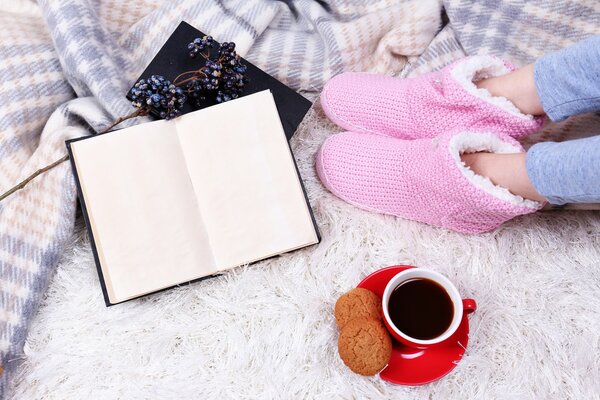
168	202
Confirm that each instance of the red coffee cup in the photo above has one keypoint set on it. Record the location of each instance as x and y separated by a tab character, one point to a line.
461	306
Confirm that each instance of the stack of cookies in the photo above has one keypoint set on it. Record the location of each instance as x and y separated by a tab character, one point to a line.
364	343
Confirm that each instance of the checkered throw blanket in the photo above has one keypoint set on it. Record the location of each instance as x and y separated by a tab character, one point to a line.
67	64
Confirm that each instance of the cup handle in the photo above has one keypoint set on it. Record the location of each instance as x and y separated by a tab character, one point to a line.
469	305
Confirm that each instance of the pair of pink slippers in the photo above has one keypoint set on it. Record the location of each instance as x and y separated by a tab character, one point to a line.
402	152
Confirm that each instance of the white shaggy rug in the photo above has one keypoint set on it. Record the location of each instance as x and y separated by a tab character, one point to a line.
267	331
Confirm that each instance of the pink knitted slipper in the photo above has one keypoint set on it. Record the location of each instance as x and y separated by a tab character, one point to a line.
423	179
425	106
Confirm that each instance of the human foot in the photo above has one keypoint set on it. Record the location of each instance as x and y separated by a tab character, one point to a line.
518	87
505	170
425	106
423	179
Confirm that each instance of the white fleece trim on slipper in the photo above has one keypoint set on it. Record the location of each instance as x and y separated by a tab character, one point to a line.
470	142
476	68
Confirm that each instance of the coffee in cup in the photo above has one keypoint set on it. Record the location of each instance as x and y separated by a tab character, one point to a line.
422	307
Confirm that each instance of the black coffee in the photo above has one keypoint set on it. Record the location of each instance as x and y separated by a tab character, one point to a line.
421	308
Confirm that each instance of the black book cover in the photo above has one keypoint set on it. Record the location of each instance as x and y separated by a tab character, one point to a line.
173	59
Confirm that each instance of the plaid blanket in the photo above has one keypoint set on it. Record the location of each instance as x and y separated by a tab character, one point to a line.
67	64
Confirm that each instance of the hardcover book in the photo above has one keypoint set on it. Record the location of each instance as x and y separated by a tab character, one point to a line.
173	59
169	202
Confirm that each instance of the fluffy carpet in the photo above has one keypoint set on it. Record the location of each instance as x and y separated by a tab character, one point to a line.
267	331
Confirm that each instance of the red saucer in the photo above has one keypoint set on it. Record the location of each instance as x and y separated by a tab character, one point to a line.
410	366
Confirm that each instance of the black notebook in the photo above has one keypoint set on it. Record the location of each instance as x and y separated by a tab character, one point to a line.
172	60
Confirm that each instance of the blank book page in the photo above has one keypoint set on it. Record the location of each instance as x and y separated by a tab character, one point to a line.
245	181
144	217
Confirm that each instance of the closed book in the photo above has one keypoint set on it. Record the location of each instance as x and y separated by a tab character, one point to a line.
173	59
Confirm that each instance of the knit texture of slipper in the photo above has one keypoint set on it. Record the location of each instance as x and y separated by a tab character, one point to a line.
423	180
424	106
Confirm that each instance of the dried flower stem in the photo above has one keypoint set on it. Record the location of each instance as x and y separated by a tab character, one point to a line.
24	182
193	76
40	171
